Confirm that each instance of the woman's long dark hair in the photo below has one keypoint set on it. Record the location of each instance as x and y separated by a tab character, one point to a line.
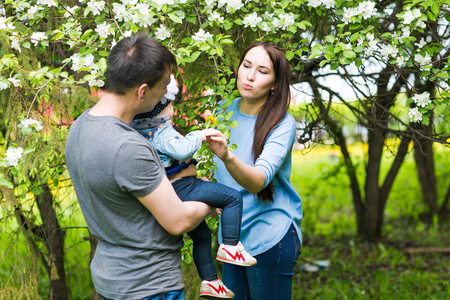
276	106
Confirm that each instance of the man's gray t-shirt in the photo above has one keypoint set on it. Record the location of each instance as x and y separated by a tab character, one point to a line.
110	165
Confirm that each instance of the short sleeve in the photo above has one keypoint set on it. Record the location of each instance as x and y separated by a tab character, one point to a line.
138	169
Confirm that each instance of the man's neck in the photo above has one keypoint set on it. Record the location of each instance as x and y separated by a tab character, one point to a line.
113	105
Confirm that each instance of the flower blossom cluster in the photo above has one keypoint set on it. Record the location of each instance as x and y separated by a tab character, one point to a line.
365	9
103	30
422	60
252	20
232	5
79	61
201	36
48	3
326	3
13	155
14	81
162	33
32	123
422	100
415	115
37	37
96	7
4	25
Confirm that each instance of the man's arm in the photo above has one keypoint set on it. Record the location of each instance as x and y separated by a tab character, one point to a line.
175	216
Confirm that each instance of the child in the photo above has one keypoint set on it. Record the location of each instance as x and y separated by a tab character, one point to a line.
176	152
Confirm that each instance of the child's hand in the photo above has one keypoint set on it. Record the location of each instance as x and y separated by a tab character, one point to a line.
208	132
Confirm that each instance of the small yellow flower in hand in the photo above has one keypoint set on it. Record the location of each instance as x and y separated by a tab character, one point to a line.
211	120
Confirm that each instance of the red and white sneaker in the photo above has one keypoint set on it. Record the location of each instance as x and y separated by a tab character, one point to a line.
235	255
215	289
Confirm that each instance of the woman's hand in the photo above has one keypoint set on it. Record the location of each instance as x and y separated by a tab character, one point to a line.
218	144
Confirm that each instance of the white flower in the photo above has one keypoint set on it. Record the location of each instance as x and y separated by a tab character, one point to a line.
231	4
128	33
277	23
33	10
389	50
401	61
36	37
422	60
172	88
370	37
421	24
15	43
421	44
251	20
33	123
14	81
103	30
130	2
367	8
210	2
265	27
328	3
4	25
120	12
422	100
160	3
3	86
406	32
415	115
215	16
286	20
96	6
201	36
314	3
416	13
79	62
49	3
209	92
13	155
95	82
408	17
70	11
162	33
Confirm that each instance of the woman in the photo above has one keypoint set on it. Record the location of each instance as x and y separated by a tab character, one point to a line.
260	170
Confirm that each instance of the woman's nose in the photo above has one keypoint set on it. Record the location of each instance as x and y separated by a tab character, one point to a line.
251	75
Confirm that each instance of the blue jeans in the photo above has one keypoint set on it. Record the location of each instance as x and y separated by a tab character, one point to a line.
216	195
271	278
172	295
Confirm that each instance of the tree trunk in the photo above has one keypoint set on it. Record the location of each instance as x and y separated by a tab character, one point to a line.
373	214
424	157
53	236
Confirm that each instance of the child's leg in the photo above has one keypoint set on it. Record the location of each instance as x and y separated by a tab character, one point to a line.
217	195
202	251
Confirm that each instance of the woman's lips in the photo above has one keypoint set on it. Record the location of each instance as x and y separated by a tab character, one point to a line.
247	86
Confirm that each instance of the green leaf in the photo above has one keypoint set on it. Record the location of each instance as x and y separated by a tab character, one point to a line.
441	108
175	18
349	54
194	56
290	55
330	38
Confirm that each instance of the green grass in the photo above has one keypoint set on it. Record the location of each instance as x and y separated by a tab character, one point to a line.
357	270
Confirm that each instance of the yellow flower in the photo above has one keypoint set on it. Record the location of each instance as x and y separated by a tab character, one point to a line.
210	120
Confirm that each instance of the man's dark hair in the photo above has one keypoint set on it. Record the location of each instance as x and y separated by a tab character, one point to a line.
137	60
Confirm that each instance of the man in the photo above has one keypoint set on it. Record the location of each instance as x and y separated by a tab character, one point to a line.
126	198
